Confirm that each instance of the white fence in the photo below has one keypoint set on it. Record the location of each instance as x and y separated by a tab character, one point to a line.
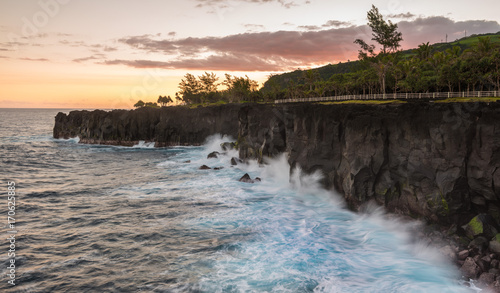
396	96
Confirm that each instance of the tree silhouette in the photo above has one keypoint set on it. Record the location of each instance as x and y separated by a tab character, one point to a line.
139	104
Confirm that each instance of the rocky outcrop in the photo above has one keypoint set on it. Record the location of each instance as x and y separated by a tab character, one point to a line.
437	161
165	126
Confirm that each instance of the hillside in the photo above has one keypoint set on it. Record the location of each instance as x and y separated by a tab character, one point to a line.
325	72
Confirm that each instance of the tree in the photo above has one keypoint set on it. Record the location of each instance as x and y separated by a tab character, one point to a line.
151	104
208	82
239	88
310	77
384	33
424	51
139	104
190	89
164	100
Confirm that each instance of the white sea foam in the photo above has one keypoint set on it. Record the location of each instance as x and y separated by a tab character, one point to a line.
144	145
288	234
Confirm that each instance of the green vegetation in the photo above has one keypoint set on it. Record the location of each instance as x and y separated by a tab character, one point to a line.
469	100
205	89
141	104
476	226
364	102
468	64
164	100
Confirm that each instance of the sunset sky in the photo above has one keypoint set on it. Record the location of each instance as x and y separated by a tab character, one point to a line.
111	53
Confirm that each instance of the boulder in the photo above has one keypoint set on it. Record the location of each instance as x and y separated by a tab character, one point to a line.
204	167
235	161
462	255
479	244
486	278
213	155
482	224
470	269
495	244
246	178
226	146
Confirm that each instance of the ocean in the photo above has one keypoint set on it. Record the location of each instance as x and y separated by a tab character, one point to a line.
91	218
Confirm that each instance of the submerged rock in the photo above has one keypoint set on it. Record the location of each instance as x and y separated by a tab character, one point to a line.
213	155
204	167
247	179
226	146
235	161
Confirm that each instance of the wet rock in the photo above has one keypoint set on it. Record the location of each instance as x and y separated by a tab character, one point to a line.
187	162
449	253
462	255
204	167
479	244
494	264
247	179
495	244
218	168
213	155
235	161
494	271
486	278
482	224
470	269
484	266
257	179
226	146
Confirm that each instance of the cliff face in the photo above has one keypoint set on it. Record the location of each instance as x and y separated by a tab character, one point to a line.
427	160
165	126
435	161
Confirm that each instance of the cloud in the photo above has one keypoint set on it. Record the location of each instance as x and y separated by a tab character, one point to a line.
228	62
294	47
434	29
336	23
35	59
251	26
285	50
233	3
93	57
406	15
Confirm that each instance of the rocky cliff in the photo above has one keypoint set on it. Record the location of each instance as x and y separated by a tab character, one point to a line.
437	161
434	161
164	126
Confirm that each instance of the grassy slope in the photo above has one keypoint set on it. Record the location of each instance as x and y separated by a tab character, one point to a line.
327	71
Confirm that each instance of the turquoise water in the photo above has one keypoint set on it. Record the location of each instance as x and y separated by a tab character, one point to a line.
115	219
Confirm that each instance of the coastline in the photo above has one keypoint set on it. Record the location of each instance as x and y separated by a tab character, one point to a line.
419	160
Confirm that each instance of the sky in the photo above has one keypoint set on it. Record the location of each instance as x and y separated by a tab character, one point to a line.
111	53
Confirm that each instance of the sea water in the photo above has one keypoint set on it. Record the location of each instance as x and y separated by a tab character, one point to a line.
95	218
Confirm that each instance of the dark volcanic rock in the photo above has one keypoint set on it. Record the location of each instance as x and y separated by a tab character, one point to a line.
226	146
435	161
246	178
470	269
235	161
213	155
205	167
166	126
